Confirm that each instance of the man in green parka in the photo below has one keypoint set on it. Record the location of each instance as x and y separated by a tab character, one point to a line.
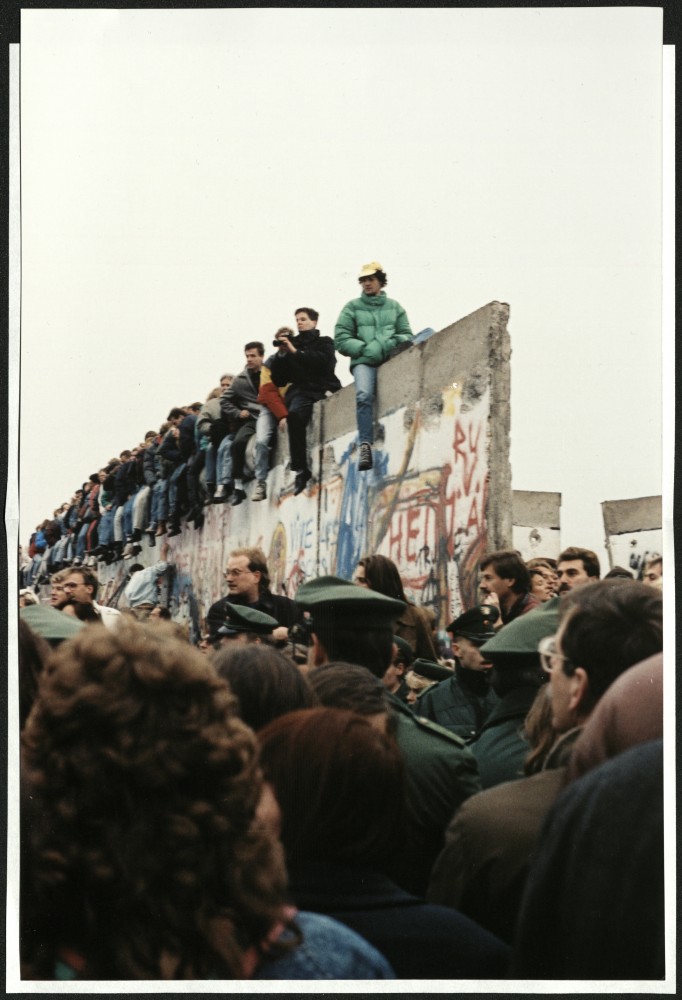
370	330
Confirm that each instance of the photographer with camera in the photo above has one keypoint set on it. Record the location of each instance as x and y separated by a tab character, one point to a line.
306	364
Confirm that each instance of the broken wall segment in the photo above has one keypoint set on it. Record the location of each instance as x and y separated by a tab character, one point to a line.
537	523
634	532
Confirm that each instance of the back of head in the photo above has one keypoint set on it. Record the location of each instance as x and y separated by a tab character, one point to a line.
610	625
339	783
347	685
266	683
143	787
383	576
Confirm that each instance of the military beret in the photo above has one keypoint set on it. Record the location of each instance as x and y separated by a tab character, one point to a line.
245	619
346	604
524	633
51	624
476	624
432	671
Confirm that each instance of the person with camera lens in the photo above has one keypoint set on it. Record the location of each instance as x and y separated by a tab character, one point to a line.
306	363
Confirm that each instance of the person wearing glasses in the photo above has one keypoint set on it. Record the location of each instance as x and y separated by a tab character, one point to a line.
585	642
248	584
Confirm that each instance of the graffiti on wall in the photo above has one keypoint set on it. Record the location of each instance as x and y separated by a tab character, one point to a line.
633	550
423	505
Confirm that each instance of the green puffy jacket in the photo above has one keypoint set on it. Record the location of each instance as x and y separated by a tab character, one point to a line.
369	328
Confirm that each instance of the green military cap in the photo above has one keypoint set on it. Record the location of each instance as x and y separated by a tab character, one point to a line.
346	604
51	624
432	671
475	624
244	619
524	633
405	651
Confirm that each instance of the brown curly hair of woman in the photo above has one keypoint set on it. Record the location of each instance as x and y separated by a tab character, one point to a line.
140	784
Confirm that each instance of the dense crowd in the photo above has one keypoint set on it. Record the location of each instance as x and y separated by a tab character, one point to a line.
205	453
320	787
318	790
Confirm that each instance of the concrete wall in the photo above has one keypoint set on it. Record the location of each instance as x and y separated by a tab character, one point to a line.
536	529
438	496
634	531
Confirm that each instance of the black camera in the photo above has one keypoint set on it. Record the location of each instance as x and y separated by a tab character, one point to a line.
278	340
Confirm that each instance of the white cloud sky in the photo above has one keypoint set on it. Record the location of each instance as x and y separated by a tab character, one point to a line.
190	177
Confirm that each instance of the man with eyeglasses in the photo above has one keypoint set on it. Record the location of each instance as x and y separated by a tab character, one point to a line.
604	629
248	584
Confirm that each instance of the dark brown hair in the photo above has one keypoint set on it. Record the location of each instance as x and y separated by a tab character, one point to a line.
141	842
610	626
383	576
508	565
339	783
265	682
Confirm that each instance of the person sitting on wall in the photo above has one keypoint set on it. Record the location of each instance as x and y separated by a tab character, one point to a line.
240	404
306	364
369	331
273	415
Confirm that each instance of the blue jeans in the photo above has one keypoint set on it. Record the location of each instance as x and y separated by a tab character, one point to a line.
106	527
174	487
365	392
159	501
82	535
224	461
266	426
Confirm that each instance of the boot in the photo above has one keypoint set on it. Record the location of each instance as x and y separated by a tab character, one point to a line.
161	530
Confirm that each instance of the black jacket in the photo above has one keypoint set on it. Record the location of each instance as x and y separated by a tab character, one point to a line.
285	611
310	371
420	940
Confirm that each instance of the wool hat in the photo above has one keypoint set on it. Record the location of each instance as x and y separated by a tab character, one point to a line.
476	624
522	635
244	619
346	604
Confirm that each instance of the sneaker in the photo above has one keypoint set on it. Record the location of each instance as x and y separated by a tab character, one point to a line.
237	497
151	528
302	478
260	491
365	459
128	551
219	496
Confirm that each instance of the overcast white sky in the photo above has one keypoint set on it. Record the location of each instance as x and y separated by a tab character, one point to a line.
190	177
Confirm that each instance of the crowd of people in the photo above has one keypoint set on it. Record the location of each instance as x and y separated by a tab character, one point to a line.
204	453
319	790
322	788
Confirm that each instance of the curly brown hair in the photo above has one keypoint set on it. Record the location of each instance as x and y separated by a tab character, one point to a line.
141	850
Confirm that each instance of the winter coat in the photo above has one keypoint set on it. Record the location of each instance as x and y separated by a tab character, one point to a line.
310	371
240	395
369	328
